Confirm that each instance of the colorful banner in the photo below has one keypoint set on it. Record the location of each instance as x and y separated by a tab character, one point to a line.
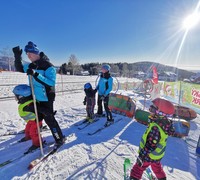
171	91
190	95
155	93
183	93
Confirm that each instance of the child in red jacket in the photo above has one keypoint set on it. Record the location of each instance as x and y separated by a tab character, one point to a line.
26	111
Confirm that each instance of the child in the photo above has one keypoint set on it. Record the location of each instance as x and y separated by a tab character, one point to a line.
89	101
26	111
154	140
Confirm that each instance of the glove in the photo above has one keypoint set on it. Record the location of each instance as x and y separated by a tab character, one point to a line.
32	72
139	162
17	51
32	66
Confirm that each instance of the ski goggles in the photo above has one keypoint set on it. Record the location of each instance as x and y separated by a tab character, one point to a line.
160	113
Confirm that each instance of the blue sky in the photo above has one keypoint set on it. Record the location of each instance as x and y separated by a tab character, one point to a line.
102	30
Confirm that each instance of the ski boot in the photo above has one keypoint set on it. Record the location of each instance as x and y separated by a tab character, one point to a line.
109	122
31	149
23	139
60	142
90	120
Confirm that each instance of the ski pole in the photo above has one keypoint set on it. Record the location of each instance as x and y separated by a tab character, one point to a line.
145	92
36	114
62	82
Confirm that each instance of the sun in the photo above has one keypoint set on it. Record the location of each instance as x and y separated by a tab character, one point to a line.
191	20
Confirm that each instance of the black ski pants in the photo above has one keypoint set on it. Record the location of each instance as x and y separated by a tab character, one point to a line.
100	107
46	108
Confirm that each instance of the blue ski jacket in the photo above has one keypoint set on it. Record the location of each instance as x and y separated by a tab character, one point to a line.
44	79
105	84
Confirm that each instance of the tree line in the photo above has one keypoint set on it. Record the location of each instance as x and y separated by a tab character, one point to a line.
73	67
120	69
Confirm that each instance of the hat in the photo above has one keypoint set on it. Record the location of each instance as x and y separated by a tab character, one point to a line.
31	48
106	67
87	86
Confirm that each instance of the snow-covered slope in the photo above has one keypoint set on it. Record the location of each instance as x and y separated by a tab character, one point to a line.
95	157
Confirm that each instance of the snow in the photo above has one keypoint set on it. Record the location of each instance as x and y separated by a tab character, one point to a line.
96	157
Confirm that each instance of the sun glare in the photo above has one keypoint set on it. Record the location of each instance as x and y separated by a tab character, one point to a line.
191	21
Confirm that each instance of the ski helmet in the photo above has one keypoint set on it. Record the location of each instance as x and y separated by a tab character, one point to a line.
164	106
106	67
87	86
22	90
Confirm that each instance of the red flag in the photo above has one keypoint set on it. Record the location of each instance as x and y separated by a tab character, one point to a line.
155	75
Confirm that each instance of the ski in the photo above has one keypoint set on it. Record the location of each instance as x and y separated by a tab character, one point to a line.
149	174
42	159
127	166
146	176
86	120
88	123
39	160
82	122
104	127
191	142
12	160
54	150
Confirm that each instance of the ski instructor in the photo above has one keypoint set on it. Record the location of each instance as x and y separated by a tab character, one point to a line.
43	76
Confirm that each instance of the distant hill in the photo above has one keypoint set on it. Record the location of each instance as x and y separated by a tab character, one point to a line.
145	66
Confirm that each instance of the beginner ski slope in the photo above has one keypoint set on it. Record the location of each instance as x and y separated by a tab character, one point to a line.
95	157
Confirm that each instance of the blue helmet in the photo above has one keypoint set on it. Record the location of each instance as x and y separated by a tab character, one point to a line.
106	67
87	86
22	90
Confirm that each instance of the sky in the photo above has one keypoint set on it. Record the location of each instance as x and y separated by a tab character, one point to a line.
103	30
